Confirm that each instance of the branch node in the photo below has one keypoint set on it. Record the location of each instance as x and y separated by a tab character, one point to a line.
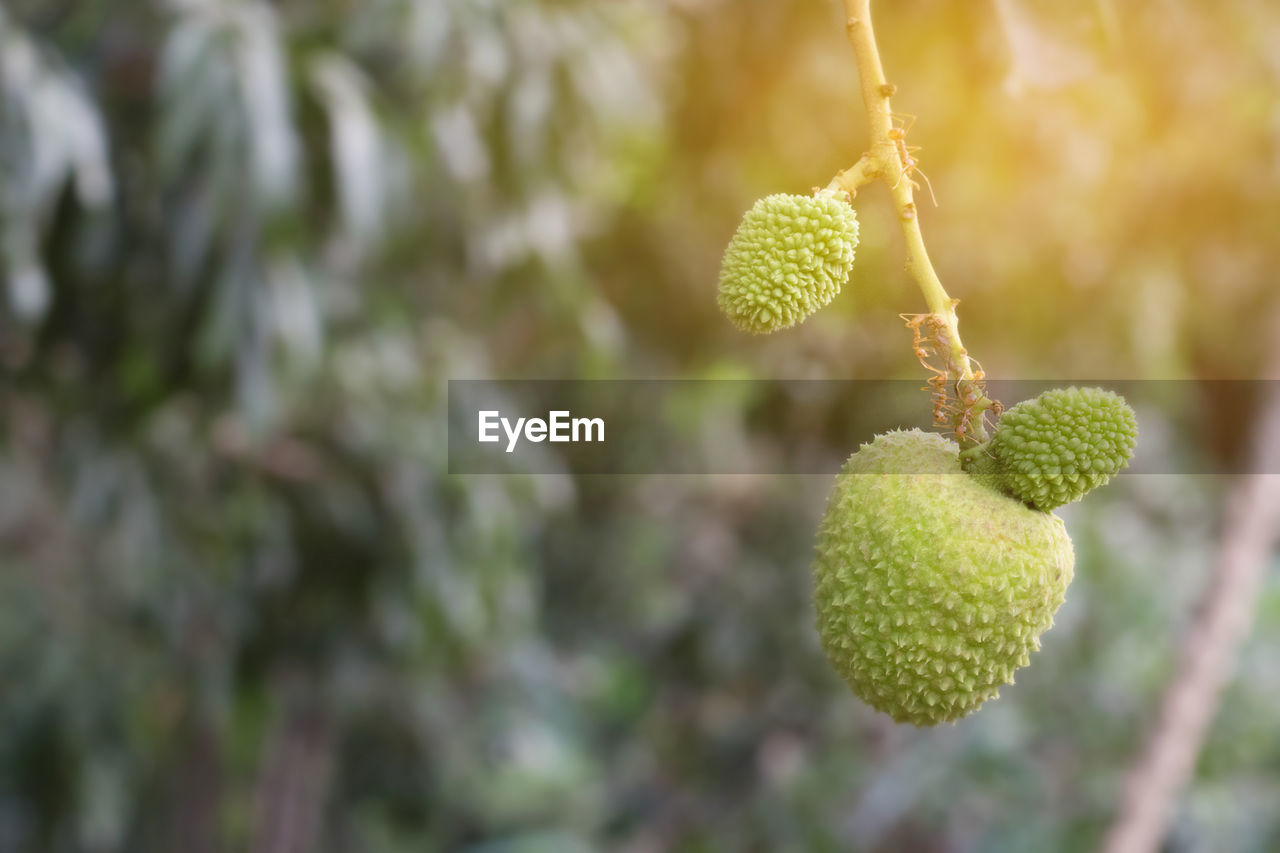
888	90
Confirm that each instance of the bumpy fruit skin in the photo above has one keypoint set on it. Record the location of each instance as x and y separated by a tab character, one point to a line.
931	588
1051	450
788	258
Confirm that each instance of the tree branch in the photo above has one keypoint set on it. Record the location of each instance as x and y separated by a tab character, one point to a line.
863	172
1250	531
885	161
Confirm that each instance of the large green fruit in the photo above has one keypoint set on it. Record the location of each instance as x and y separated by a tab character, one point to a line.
932	588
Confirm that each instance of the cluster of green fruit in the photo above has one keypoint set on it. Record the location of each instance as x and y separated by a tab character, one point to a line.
936	571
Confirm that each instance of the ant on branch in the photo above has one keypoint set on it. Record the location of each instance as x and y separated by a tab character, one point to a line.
927	345
959	403
898	133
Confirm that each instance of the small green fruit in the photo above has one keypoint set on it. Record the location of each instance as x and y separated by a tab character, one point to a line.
1053	449
931	588
788	258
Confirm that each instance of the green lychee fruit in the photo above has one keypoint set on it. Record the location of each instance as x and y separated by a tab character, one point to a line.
789	257
1055	448
931	588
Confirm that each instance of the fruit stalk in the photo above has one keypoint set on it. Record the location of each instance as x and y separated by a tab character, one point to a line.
884	161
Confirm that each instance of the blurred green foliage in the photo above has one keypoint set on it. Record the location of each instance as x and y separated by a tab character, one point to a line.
246	244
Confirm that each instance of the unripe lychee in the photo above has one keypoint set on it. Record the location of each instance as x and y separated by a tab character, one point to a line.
788	258
931	588
1053	449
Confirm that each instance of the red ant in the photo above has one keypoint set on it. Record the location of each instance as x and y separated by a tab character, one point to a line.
996	410
923	345
943	409
909	163
962	428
